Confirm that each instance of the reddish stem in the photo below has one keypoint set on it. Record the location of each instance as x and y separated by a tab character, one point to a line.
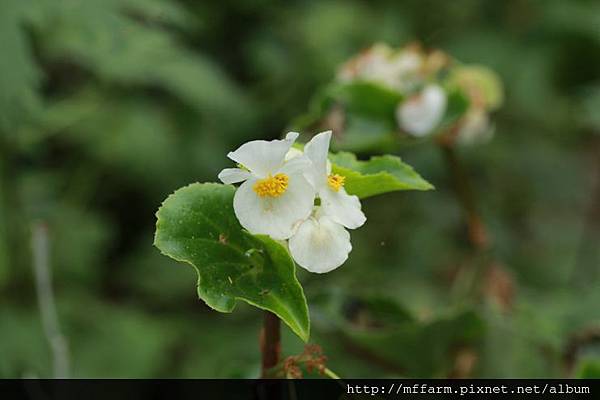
478	236
270	342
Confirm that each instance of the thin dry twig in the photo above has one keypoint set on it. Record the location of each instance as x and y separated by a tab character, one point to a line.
43	285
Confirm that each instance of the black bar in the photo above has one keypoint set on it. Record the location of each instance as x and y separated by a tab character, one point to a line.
258	389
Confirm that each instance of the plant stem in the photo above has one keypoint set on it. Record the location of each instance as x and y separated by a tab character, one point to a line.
487	277
270	342
331	374
478	236
45	295
4	247
588	256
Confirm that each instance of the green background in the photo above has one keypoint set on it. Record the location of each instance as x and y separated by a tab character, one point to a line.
108	106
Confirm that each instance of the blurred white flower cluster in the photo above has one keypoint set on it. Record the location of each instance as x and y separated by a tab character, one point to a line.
424	79
292	195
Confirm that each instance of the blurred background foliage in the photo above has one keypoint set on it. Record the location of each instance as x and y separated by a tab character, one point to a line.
107	106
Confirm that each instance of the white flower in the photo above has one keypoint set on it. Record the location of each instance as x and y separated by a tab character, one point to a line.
421	114
275	196
371	64
335	202
320	244
405	70
398	70
475	126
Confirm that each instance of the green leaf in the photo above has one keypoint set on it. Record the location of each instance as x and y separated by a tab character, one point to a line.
368	98
381	174
366	134
197	225
458	104
368	112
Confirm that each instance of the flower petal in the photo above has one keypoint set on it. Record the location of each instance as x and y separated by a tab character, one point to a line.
274	216
420	114
292	136
342	207
263	157
317	151
320	245
233	175
293	153
297	164
475	127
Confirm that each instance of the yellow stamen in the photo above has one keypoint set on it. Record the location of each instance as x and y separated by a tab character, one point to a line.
272	186
336	181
